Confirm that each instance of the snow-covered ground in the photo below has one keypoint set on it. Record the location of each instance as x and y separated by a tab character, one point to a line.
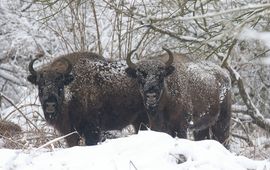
147	150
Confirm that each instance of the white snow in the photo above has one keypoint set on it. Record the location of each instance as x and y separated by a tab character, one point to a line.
253	34
266	60
144	151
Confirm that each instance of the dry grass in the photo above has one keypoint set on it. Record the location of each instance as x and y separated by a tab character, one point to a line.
13	137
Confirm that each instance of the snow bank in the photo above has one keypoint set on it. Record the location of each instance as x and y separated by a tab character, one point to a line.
145	151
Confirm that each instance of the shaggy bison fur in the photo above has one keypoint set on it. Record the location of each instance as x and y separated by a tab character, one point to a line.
82	91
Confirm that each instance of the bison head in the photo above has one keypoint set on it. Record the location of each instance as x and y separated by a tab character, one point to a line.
51	82
150	76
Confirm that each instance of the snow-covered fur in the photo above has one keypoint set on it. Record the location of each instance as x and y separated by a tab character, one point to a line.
95	96
186	94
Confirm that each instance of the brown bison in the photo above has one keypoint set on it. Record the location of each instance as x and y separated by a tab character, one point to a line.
83	92
179	94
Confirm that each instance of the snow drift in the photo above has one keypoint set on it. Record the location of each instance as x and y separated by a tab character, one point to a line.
144	151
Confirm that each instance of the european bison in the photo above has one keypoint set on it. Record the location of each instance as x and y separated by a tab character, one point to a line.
83	92
180	94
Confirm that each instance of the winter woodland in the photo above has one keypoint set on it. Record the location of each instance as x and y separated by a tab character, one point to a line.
233	34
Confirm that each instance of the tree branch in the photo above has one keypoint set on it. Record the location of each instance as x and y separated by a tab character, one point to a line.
11	77
97	27
252	109
10	101
174	35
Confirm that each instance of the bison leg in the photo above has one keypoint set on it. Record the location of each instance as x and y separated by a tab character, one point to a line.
141	122
73	140
221	129
177	125
92	134
202	134
180	132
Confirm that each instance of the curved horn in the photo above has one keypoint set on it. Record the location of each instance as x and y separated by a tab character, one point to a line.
69	66
128	60
170	61
30	67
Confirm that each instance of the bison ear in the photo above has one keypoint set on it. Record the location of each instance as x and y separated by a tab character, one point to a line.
32	79
68	79
131	72
169	70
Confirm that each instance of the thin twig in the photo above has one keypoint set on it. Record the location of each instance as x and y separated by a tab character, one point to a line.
55	140
131	163
247	138
97	26
249	142
10	101
254	111
10	139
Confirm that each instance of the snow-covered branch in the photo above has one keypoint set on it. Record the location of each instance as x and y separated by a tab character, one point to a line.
174	35
253	111
18	109
10	77
214	14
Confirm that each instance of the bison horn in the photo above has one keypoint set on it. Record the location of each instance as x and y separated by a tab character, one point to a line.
69	66
128	60
170	61
30	66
